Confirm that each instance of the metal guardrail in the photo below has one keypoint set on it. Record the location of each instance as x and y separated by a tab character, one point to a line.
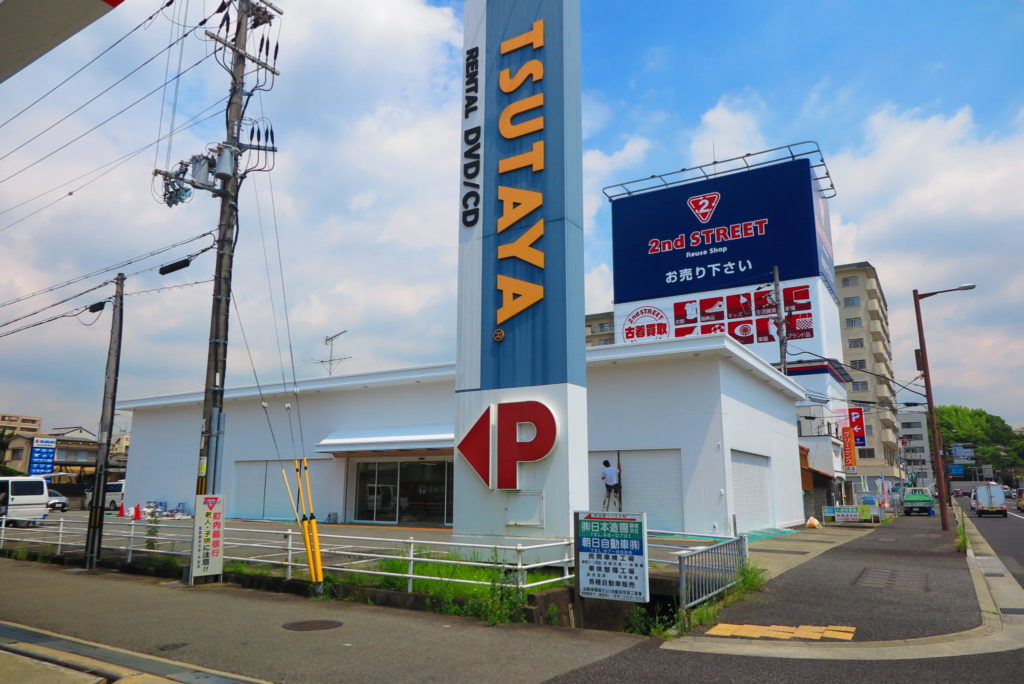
343	554
709	571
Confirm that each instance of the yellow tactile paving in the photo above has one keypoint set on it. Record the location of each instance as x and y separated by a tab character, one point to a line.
815	632
833	634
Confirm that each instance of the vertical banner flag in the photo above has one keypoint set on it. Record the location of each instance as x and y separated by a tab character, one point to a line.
849	452
520	312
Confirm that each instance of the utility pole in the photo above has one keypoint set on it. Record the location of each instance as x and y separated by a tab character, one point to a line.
228	170
211	444
94	532
780	320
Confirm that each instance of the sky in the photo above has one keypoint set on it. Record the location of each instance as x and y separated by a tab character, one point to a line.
917	106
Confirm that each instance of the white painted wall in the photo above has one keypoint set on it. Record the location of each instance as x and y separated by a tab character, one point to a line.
699	405
761	422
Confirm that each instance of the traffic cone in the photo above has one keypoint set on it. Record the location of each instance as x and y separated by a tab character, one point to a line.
137	512
120	512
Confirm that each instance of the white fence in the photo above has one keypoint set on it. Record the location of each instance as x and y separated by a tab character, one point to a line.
342	554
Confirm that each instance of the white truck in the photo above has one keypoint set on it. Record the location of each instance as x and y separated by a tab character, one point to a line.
23	500
990	500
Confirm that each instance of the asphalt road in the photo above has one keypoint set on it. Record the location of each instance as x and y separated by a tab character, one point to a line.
1004	534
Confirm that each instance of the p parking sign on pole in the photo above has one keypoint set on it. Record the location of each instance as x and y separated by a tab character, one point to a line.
611	556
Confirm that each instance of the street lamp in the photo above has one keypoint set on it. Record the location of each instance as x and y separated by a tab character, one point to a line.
922	365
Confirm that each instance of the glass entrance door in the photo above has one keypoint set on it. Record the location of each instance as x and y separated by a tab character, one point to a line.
377	492
423	490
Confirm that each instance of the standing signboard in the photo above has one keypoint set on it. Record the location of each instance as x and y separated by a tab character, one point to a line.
41	459
520	377
611	556
207	551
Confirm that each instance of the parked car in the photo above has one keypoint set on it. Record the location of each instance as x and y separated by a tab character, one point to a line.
990	499
57	501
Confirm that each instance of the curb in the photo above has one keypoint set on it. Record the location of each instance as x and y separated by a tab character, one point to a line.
996	633
109	662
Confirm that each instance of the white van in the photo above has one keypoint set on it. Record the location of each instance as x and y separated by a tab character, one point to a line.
112	498
23	499
990	500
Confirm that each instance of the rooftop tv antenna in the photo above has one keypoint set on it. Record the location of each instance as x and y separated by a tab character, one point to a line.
332	361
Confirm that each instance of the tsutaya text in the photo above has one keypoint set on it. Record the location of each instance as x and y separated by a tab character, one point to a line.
517	204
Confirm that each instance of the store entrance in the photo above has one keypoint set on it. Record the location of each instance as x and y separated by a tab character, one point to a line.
418	492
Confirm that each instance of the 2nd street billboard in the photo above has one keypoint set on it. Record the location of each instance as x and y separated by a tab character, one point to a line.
721	233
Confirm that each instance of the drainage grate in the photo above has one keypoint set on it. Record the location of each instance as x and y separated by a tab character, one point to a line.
1012	611
311	625
901	580
172	647
792	553
995	574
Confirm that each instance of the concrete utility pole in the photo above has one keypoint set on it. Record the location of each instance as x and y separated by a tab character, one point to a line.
251	14
211	444
780	319
94	532
938	460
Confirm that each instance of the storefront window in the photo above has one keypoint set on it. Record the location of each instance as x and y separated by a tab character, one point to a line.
405	492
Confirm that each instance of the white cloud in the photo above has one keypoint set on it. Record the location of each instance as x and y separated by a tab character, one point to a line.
729	129
600	169
598	289
932	204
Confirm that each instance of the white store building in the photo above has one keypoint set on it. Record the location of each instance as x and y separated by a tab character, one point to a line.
704	430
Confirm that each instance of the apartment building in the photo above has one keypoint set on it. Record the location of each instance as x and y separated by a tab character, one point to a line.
22	425
914	441
867	352
600	329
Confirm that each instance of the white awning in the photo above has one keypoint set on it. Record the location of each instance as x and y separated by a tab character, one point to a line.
388	439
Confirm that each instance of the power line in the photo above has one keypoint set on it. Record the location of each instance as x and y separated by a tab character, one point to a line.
168	287
194	121
87	64
73	312
862	370
112	267
50	306
105	91
102	123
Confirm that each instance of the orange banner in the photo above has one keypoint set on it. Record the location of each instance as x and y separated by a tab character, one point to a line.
849	452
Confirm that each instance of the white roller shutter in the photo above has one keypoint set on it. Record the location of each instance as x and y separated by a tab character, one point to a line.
249	483
751	492
652	482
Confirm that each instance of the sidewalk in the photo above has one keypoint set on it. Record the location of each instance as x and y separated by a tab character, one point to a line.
902	587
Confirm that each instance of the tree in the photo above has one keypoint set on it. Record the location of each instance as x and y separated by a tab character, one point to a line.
995	441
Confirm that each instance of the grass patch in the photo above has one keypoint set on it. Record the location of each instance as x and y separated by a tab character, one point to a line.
751	581
242	568
962	543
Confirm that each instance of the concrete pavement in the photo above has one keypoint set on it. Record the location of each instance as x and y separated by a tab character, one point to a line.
927	602
907	592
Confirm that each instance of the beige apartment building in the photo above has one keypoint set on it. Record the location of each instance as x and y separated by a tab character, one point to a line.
600	329
20	425
867	351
